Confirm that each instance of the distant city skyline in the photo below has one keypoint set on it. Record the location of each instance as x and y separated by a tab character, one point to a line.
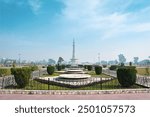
102	29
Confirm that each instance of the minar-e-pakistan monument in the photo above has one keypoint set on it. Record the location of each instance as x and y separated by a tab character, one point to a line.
73	60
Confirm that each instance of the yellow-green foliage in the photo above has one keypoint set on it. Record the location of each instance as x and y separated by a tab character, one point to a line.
4	72
143	71
22	76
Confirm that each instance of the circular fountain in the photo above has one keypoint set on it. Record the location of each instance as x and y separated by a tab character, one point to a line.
74	73
74	76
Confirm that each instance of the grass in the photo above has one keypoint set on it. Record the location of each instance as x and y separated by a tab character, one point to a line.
35	85
143	71
113	84
54	74
93	74
109	85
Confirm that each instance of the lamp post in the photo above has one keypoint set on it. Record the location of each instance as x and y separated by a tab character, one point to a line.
19	58
99	58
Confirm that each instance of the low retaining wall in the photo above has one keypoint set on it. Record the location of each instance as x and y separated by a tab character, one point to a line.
74	92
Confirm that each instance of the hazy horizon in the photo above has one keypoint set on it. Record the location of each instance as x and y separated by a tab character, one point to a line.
43	29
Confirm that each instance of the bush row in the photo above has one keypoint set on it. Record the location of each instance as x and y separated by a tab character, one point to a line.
113	67
60	67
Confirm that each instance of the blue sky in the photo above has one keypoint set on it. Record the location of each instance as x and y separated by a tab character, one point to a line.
42	29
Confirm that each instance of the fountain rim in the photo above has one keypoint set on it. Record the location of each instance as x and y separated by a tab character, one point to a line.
74	76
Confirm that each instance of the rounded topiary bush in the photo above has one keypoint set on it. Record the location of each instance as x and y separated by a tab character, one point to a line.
98	70
126	76
22	76
50	70
89	67
104	66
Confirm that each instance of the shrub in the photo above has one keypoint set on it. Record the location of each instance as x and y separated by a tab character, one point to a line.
89	67
104	66
59	67
126	76
113	67
130	63
22	76
122	64
63	66
34	68
98	70
12	70
80	66
50	70
4	72
85	66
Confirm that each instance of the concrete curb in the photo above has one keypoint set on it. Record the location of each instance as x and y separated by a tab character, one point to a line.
74	92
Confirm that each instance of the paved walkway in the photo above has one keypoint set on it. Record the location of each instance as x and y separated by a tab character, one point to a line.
136	96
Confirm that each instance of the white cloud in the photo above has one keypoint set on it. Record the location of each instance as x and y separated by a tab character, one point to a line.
77	9
99	16
35	5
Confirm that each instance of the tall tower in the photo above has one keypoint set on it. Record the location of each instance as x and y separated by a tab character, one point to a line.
73	60
73	53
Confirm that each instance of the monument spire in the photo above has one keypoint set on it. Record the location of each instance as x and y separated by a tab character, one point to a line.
73	53
73	59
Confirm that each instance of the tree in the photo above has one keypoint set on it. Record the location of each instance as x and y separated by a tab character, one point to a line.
122	59
104	62
51	61
60	60
136	60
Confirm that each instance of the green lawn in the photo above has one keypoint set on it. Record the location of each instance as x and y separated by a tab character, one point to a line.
92	73
143	71
113	84
54	74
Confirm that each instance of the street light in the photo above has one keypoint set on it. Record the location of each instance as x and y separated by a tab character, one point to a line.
99	58
19	58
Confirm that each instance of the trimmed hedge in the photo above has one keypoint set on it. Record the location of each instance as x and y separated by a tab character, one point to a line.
50	70
4	72
89	67
104	66
126	76
98	70
63	66
22	76
113	67
85	66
